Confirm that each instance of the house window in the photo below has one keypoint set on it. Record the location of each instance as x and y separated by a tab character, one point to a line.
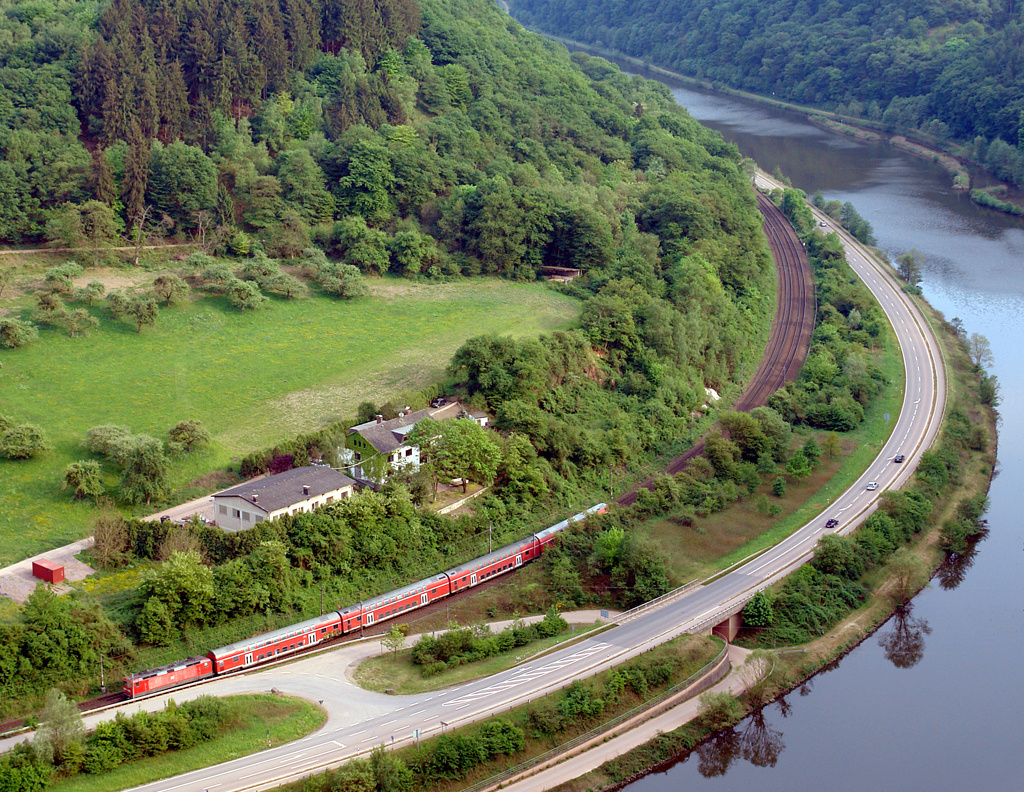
408	452
259	518
246	517
236	513
222	509
329	498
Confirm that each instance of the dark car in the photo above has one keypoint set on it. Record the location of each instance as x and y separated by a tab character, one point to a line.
440	401
832	523
898	458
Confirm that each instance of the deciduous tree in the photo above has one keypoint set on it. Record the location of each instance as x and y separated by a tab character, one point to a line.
245	295
22	441
184	585
170	288
60	729
394	640
188	436
83	478
144	476
15	333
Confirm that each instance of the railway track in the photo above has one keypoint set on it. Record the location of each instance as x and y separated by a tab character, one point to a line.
790	336
784	354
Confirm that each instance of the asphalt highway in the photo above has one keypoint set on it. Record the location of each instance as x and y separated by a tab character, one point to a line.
360	721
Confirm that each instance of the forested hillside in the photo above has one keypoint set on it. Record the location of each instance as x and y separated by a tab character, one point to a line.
429	141
954	70
440	141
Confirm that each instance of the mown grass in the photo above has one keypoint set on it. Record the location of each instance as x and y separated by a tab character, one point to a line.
253	378
250	718
396	671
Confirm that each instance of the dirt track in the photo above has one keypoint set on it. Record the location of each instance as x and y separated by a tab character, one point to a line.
790	337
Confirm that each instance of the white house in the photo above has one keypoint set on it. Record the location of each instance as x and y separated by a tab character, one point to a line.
386	440
298	490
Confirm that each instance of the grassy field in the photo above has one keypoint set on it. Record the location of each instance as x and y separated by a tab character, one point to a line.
251	378
396	671
251	718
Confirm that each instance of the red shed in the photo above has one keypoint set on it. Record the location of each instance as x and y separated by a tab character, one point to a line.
49	571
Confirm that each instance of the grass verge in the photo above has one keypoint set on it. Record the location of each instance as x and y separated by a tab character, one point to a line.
397	673
249	720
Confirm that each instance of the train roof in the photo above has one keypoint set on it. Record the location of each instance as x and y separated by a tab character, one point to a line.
490	558
164	669
561	526
405	591
275	635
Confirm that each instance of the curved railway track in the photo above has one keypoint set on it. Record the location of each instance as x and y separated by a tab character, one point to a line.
784	354
790	336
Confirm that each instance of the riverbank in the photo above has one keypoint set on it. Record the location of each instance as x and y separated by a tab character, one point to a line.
800	664
950	156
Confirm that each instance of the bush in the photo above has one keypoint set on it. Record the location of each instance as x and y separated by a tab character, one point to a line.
23	441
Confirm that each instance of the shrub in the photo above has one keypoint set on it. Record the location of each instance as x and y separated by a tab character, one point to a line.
22	441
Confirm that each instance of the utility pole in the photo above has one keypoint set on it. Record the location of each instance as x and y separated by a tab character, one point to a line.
321	599
103	687
488	536
611	490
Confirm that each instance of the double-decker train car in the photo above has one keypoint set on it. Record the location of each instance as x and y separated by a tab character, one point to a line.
416	595
278	643
168	676
273	644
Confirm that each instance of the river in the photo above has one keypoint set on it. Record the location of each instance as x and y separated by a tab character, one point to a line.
939	706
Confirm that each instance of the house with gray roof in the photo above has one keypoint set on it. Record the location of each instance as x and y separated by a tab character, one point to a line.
380	446
298	490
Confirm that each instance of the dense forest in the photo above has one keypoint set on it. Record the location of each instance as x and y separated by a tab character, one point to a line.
950	70
429	141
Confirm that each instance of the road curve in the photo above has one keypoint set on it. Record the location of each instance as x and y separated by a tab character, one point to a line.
790	336
374	720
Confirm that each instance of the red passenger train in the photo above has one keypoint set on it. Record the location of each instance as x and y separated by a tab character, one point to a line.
267	646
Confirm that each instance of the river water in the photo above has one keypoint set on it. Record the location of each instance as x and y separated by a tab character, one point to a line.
936	701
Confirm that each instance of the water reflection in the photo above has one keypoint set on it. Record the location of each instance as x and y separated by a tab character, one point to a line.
953	569
904	641
757	741
973	268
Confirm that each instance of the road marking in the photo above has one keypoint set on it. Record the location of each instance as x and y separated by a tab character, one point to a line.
524	676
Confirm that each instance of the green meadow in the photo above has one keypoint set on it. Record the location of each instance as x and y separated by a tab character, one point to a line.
253	378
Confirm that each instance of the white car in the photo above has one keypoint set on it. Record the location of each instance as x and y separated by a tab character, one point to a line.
872	485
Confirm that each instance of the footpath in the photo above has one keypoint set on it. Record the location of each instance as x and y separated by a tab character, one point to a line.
623	738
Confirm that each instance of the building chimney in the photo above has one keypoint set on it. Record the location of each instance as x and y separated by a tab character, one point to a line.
380	419
255	498
305	490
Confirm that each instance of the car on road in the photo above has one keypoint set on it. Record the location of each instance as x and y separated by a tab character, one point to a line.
898	458
872	485
822	224
832	523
